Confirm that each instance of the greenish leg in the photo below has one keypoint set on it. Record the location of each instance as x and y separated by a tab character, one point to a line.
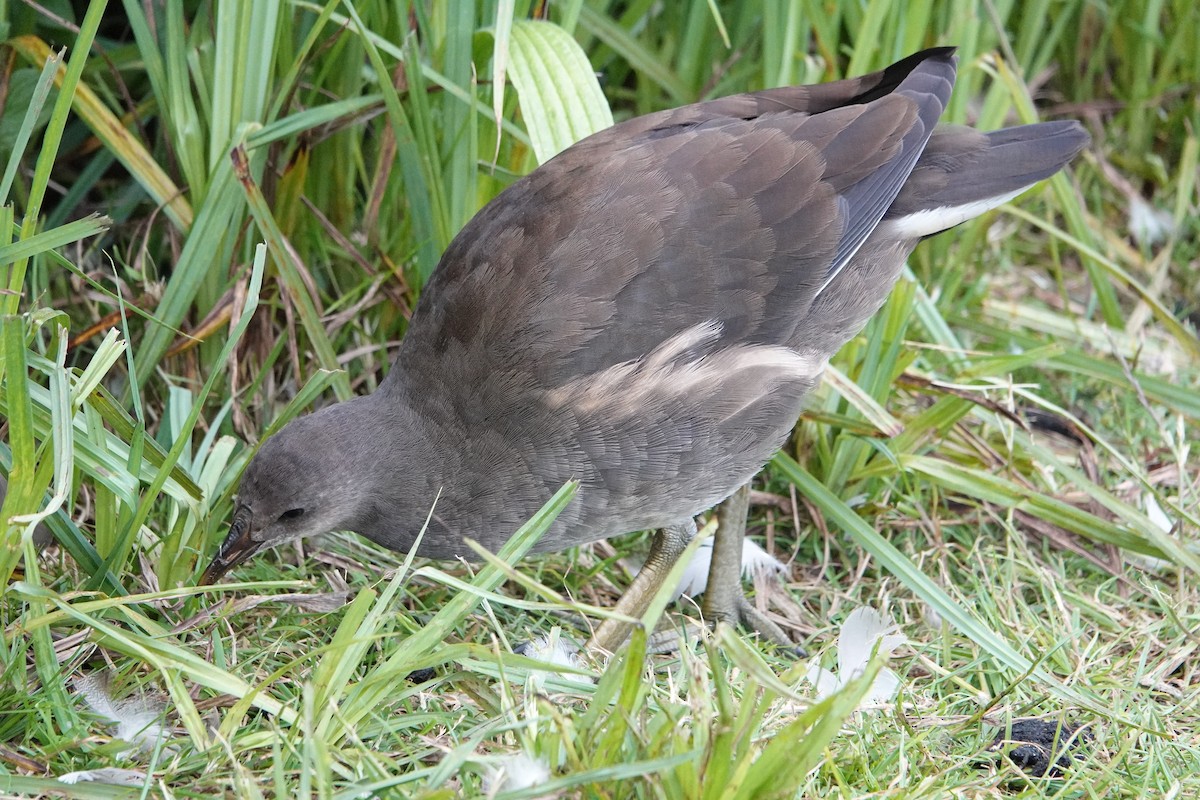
668	544
724	599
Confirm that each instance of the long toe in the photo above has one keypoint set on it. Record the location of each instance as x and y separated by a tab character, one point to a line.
754	620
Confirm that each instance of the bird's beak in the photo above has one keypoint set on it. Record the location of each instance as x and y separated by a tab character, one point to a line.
237	547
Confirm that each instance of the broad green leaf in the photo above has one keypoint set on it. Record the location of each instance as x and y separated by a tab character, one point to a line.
560	97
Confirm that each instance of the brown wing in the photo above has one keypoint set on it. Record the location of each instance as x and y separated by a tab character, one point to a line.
738	211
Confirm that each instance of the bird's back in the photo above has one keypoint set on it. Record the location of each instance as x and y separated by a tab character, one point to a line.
737	210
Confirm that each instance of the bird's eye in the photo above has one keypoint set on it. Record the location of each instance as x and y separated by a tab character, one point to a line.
293	514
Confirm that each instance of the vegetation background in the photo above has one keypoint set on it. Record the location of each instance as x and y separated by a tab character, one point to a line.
1002	461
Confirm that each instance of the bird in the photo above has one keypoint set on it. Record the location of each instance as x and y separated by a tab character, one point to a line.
644	313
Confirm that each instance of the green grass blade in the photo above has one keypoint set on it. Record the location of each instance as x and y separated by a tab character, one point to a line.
904	570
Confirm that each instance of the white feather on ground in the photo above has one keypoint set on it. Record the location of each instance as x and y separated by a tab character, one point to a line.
513	772
552	649
1149	225
113	776
139	717
856	641
555	650
1161	521
755	562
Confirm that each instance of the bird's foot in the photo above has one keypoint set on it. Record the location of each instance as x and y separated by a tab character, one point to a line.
724	598
744	615
748	617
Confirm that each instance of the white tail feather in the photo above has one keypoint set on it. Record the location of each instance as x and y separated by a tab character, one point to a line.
936	220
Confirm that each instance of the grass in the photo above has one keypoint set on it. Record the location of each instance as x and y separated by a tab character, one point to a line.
278	181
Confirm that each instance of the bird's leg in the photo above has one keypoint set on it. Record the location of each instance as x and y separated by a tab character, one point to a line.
668	544
724	587
724	598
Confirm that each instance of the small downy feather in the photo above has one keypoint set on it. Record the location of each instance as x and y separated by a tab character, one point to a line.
1161	521
113	776
862	629
555	650
755	562
514	772
139	718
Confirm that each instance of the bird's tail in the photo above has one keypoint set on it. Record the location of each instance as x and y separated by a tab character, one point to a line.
962	173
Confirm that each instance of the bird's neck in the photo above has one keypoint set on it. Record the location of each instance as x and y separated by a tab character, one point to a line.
400	463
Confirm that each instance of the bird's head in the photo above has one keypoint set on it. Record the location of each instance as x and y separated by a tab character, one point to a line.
307	479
